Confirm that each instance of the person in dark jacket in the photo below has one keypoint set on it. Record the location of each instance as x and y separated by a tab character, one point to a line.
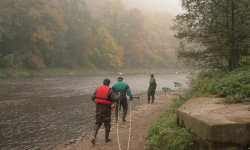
151	88
122	88
104	98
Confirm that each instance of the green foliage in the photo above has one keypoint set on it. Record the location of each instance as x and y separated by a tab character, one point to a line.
235	86
36	62
166	89
245	61
166	134
177	84
7	61
213	33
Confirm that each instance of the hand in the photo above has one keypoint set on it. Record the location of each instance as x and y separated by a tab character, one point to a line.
112	106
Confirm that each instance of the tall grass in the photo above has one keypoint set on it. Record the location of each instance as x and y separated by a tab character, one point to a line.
165	134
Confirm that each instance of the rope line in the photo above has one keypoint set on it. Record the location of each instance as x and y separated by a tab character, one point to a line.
117	130
129	125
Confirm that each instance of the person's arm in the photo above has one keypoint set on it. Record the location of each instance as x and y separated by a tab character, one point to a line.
152	81
129	93
93	96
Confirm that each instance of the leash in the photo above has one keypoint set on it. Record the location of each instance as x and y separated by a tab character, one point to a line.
117	129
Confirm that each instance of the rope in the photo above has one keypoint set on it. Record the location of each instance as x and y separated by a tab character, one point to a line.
117	130
130	124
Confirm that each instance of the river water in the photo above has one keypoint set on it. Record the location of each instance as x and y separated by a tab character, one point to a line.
46	112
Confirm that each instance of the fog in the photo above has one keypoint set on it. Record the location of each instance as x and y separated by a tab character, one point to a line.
171	6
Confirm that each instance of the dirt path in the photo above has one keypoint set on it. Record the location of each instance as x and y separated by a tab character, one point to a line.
142	118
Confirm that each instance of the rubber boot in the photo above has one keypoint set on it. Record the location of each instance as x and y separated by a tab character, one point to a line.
107	139
148	99
95	133
124	115
153	98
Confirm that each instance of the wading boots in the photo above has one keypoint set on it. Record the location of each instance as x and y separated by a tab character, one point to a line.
95	133
107	139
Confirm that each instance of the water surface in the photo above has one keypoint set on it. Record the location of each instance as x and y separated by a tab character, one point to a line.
46	112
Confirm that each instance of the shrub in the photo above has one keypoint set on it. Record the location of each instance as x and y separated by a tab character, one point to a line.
235	86
36	62
7	61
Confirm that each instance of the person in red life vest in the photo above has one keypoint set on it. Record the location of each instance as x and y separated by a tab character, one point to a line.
104	98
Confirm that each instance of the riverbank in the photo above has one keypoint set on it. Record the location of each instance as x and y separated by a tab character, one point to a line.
63	71
144	116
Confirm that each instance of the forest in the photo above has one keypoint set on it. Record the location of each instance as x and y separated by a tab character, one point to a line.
84	34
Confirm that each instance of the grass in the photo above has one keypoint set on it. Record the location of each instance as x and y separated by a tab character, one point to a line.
165	134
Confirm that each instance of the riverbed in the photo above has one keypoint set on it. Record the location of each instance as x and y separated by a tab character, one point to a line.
45	112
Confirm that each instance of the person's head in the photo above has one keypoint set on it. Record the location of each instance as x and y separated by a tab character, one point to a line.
120	78
151	75
106	82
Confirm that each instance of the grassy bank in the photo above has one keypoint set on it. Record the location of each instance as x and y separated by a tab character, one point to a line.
234	86
62	71
166	134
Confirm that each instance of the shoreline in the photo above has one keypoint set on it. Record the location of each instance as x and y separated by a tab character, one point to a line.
10	73
144	116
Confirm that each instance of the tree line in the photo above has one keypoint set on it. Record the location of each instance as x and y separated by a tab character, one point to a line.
85	34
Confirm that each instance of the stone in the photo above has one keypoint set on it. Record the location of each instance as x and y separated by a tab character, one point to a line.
219	126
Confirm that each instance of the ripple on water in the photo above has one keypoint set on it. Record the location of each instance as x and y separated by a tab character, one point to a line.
44	112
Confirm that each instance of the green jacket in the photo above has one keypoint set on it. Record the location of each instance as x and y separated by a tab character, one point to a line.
118	86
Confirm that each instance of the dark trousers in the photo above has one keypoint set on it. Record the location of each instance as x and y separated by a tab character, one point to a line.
103	116
124	105
153	98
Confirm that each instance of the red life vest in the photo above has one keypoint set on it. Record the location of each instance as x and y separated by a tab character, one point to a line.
101	95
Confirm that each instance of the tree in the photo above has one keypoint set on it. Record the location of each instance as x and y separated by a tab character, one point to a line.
160	40
136	35
78	35
30	30
107	54
214	33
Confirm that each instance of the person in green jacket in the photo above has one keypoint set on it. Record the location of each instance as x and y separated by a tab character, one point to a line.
151	88
124	90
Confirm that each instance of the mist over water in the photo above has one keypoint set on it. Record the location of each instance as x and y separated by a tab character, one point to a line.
46	112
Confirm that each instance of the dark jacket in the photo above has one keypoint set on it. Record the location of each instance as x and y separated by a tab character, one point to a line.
152	86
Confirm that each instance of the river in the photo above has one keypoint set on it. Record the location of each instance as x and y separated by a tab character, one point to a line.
46	112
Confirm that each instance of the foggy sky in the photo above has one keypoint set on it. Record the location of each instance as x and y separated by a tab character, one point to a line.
171	6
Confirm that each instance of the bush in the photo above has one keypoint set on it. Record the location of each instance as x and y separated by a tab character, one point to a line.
235	86
7	61
165	134
36	63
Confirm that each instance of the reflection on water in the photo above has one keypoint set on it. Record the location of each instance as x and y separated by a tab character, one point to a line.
44	112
